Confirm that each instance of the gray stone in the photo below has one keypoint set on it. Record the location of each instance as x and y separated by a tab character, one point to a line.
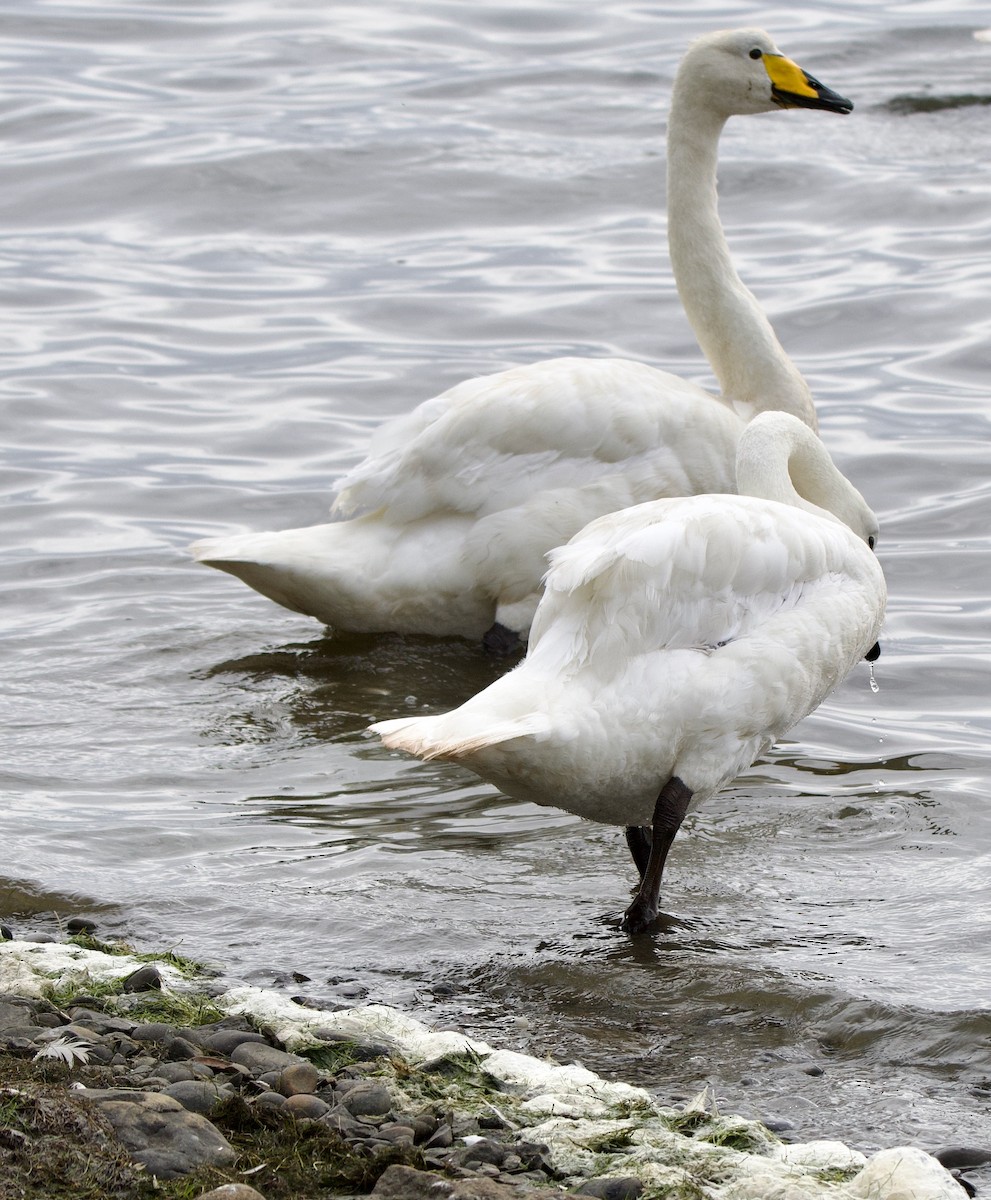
298	1079
424	1126
341	1121
180	1049
160	1134
399	1182
441	1138
484	1151
225	1041
626	1187
80	925
232	1191
367	1098
397	1133
260	1058
197	1095
304	1105
145	979
153	1031
175	1072
270	1100
101	1022
15	1015
963	1158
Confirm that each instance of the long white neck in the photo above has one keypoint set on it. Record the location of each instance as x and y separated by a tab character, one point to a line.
780	458
731	328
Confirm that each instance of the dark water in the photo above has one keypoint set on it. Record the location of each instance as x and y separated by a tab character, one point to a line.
233	239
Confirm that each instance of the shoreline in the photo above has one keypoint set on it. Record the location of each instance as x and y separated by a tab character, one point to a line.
207	1086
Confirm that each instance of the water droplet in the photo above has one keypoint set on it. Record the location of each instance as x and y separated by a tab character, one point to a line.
874	688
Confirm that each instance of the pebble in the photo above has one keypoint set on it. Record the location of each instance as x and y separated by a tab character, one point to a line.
298	1079
144	979
303	1105
366	1098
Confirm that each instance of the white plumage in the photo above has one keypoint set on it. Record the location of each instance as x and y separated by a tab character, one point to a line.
675	641
445	527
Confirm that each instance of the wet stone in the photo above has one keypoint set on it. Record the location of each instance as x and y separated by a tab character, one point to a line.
963	1158
175	1072
80	925
397	1133
341	1121
260	1058
159	1133
626	1187
441	1138
145	979
299	1078
197	1095
483	1151
156	1032
232	1191
225	1041
367	1098
305	1105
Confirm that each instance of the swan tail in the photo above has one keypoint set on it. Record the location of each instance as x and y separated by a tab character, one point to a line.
439	737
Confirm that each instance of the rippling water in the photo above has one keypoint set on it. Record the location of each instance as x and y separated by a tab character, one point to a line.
233	239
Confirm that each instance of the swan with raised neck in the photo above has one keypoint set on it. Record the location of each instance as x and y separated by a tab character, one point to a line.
445	527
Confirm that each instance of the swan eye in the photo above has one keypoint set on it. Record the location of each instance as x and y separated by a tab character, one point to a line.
756	53
871	540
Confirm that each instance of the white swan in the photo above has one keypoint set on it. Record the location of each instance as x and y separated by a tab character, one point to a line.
675	641
444	528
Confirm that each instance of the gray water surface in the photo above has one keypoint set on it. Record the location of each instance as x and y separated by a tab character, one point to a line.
236	237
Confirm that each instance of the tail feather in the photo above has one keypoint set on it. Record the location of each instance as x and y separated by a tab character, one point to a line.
438	737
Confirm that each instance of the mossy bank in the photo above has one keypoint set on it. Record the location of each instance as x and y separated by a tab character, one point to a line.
130	1076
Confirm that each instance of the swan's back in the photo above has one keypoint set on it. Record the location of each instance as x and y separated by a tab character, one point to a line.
488	444
703	574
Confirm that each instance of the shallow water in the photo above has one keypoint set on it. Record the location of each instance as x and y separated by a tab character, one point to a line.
235	238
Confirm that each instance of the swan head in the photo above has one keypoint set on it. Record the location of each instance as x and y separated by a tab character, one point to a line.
780	458
740	71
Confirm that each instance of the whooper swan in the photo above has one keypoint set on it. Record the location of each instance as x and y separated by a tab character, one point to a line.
444	528
675	641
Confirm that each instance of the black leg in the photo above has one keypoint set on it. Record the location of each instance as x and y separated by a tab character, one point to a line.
669	812
638	839
502	642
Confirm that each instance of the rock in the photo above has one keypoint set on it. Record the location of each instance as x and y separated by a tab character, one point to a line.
397	1133
340	1120
259	1057
626	1187
298	1079
303	1105
197	1095
398	1182
441	1138
159	1133
484	1150
80	925
963	1158
180	1049
144	979
270	1100
904	1173
225	1041
231	1191
16	1015
175	1072
367	1098
156	1032
6	933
